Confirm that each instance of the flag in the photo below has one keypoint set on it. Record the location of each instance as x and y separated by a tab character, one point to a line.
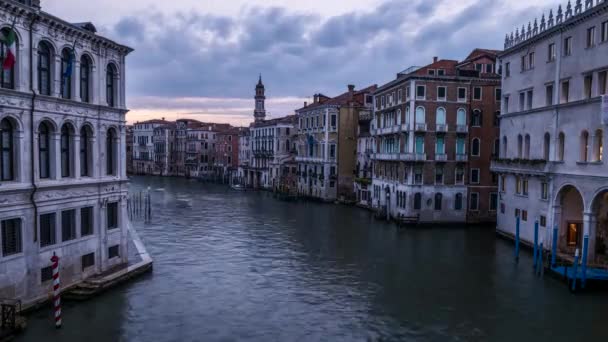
9	41
69	68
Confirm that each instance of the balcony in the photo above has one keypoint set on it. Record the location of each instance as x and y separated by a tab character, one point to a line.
385	156
462	129
420	157
441	128
462	157
388	130
537	167
406	156
441	157
420	127
405	127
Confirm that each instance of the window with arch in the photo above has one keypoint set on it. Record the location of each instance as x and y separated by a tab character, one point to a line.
44	150
520	146
7	76
476	119
440	119
461	117
111	152
561	145
584	153
598	145
546	146
7	163
496	148
398	116
44	68
438	200
111	85
475	147
85	76
458	202
527	147
420	115
86	155
504	146
66	73
417	201
66	147
407	115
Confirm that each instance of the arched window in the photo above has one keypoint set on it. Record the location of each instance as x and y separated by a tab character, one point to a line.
44	150
440	120
527	147
7	164
461	117
438	199
520	146
476	119
8	56
598	145
504	146
44	69
398	116
110	152
407	115
111	85
85	151
496	148
475	147
417	201
546	146
66	147
66	73
561	145
85	75
458	202
584	146
420	116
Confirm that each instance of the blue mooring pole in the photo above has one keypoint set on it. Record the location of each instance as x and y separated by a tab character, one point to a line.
584	266
517	240
575	270
541	268
535	244
554	247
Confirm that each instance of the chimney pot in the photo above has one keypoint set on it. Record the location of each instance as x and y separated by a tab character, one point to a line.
351	87
435	59
305	104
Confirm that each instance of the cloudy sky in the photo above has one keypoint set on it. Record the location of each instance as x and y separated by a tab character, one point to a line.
201	58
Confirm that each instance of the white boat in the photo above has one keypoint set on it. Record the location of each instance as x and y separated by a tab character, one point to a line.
238	187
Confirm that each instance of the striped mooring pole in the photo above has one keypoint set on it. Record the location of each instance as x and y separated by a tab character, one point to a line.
56	295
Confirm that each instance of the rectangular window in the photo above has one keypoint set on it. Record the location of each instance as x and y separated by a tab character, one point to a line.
46	274
525	187
549	94
474	202
441	93
419	144
333	121
440	72
431	72
474	176
489	68
459	175
400	95
86	221
529	97
544	191
551	52
440	145
588	84
517	213
591	37
503	183
493	201
531	60
462	94
518	185
88	260
113	252
407	92
383	101
11	237
112	215
602	78
420	92
565	92
439	175
568	46
507	69
497	94
522	101
477	93
605	31
68	225
524	62
543	221
524	215
332	151
506	104
418	175
47	229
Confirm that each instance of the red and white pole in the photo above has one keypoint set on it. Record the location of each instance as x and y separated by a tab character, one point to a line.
56	296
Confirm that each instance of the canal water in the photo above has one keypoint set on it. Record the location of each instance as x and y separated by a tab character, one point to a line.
243	266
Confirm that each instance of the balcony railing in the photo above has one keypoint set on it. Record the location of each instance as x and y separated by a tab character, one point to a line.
386	156
420	127
532	167
407	156
462	157
441	128
420	157
462	129
441	157
388	130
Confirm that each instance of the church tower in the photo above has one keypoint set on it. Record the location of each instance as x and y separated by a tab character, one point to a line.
260	111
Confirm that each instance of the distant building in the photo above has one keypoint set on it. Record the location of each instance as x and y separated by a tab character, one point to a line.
244	155
327	143
552	162
130	169
227	155
143	146
164	142
63	183
365	148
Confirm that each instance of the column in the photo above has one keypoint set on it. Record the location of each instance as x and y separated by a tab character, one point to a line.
56	74
76	157
55	154
587	222
76	80
122	153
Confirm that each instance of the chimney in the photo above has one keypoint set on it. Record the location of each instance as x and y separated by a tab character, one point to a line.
305	104
351	91
316	98
163	118
435	59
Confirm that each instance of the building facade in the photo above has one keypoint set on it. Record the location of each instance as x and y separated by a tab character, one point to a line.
164	142
552	159
63	174
143	146
365	148
435	129
327	144
226	161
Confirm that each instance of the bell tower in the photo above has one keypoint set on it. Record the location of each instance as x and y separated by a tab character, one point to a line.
260	111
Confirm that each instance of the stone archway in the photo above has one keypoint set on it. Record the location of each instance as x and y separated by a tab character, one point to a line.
599	210
569	216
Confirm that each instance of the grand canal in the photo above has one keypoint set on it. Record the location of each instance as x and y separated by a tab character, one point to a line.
242	266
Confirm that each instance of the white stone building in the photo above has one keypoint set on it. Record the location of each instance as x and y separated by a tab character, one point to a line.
143	146
552	161
63	183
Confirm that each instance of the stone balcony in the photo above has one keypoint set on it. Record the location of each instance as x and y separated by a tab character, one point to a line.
387	130
441	128
538	167
462	129
420	157
462	157
441	157
420	127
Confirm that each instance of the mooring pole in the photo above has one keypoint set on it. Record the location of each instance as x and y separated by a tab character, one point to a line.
535	243
584	266
541	267
575	270
554	247
56	292
517	239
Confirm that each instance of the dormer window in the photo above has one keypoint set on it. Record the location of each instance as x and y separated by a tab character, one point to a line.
431	72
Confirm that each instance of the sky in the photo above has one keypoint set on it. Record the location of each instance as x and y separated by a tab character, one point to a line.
201	59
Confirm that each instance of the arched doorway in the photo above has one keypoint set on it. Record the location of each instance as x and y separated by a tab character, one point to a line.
600	213
569	216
